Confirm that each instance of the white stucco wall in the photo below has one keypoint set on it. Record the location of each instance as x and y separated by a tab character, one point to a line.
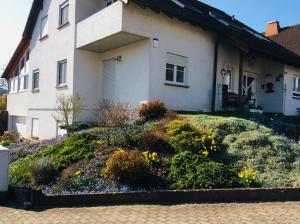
44	55
290	103
4	168
178	38
131	75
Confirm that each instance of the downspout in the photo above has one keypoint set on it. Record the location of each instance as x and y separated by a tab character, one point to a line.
214	87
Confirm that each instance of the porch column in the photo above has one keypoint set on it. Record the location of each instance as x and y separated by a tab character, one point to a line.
241	74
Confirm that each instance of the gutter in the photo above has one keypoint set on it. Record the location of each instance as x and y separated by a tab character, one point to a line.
214	87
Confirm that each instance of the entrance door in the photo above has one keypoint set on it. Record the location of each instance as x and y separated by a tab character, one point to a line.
109	80
249	86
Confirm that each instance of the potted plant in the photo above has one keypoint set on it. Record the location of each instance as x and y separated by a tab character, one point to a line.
258	109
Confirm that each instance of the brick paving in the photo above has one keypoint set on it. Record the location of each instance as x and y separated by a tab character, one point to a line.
263	213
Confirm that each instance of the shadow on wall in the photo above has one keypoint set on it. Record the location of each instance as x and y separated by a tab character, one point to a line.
3	121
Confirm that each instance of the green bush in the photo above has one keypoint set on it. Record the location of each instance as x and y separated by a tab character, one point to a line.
6	143
190	171
152	110
272	156
185	137
79	126
128	167
74	148
42	172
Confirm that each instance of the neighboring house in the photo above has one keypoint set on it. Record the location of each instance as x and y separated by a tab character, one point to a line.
288	37
180	51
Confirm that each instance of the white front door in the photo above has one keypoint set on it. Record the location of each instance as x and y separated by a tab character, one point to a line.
249	86
35	127
109	80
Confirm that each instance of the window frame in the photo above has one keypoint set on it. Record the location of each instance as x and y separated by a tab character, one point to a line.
34	87
296	86
64	79
45	28
175	74
231	79
63	6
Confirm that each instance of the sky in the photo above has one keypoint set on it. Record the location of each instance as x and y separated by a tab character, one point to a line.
255	13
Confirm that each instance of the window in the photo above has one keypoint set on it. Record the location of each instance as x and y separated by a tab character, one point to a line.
109	2
62	72
229	79
176	69
63	13
36	80
44	27
23	82
296	89
13	84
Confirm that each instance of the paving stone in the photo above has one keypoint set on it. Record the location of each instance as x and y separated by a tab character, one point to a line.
260	213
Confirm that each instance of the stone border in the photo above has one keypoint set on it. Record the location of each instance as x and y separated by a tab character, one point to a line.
30	198
4	197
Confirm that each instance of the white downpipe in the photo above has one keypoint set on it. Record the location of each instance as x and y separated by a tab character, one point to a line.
4	168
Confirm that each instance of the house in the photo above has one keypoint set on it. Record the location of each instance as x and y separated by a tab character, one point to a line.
288	37
190	55
2	91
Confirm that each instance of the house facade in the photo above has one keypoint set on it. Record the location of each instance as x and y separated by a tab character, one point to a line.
181	52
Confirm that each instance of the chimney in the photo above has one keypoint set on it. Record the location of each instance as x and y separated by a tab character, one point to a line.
273	28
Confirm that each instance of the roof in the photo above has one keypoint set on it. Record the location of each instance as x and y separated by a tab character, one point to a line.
242	36
289	37
196	13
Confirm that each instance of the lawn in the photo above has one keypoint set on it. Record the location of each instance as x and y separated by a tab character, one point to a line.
162	150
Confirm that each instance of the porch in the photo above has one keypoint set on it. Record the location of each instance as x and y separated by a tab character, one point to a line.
260	88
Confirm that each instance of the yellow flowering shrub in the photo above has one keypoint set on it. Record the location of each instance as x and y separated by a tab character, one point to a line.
185	137
128	167
151	157
248	176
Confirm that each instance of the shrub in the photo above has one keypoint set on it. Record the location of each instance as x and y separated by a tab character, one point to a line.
6	143
248	176
3	102
79	126
272	156
113	115
71	150
185	137
41	172
10	136
154	140
152	110
190	171
128	167
151	157
69	107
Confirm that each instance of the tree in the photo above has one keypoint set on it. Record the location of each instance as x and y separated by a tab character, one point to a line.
69	108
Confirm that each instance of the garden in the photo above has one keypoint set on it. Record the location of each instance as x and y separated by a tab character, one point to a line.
151	149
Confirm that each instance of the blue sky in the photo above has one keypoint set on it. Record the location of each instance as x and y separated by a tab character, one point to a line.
255	13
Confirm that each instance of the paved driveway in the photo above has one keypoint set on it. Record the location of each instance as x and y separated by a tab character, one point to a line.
273	213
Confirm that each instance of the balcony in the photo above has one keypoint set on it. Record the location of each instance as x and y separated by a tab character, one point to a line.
114	26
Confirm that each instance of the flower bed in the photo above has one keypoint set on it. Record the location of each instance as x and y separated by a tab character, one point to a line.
162	151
